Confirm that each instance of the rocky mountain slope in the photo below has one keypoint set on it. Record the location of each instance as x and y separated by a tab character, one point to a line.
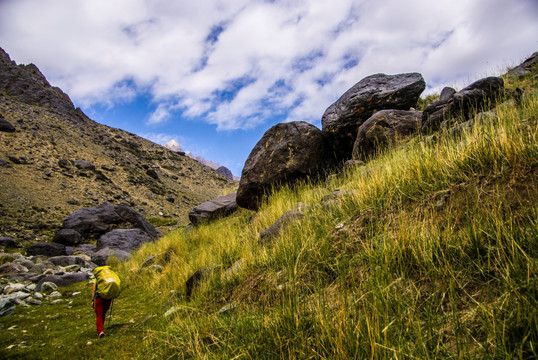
55	160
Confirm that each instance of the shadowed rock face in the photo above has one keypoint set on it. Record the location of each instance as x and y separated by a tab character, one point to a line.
383	128
286	152
377	92
98	220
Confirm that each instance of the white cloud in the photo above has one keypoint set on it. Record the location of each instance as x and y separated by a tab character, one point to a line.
298	56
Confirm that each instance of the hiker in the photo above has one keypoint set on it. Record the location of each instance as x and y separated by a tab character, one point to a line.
106	287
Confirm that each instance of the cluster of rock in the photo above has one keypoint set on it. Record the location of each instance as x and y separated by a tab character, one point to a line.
119	231
375	112
34	279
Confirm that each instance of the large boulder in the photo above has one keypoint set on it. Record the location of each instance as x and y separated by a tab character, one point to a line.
213	209
342	119
481	95
95	221
286	152
46	249
123	239
383	128
68	237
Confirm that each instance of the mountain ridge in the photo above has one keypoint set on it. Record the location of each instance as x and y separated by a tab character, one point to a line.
40	163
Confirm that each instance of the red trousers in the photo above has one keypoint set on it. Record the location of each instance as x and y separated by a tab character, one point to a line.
101	307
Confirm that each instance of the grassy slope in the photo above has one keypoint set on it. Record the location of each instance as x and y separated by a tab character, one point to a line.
432	254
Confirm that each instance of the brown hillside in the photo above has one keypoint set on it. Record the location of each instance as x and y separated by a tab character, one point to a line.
40	182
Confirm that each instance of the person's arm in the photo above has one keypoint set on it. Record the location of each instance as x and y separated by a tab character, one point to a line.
93	293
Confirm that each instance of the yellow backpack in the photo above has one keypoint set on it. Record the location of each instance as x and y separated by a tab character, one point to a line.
108	282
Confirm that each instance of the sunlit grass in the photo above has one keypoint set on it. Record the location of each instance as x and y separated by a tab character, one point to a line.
430	251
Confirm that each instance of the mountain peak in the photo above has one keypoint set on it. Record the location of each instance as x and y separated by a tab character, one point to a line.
173	145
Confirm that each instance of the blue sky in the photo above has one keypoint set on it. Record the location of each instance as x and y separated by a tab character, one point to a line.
214	75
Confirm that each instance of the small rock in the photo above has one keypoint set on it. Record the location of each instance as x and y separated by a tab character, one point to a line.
149	261
57	301
6	308
33	301
13	288
76	293
37	296
170	311
49	286
7	242
55	295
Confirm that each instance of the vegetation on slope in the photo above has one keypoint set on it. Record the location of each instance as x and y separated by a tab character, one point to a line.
431	252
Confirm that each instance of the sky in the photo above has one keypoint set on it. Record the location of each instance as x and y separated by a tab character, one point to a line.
214	75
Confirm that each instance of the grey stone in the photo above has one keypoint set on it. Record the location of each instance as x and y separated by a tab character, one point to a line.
55	295
100	258
6	307
267	235
33	301
62	280
213	209
48	286
12	268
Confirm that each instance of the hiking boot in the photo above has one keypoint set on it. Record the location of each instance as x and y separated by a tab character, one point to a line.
101	334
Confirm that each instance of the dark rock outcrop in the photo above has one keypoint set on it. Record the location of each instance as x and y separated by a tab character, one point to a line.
213	209
286	152
95	221
480	96
383	128
7	242
373	93
46	249
27	84
5	125
68	237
